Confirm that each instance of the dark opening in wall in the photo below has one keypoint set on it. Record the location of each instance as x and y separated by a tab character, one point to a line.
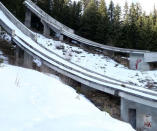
153	65
132	117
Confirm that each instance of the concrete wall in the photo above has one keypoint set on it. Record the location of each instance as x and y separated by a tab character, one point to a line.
142	65
141	112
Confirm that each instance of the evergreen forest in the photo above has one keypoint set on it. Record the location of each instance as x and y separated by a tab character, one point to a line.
127	27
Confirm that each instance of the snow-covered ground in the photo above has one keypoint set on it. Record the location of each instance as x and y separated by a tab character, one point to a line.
99	63
32	101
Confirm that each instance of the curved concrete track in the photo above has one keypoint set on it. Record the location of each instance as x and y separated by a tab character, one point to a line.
67	31
26	40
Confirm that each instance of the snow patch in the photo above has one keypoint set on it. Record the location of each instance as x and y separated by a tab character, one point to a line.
37	62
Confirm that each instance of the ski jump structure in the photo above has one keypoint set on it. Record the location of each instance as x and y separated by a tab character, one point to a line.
144	56
141	101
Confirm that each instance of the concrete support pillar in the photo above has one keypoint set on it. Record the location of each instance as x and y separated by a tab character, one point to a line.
136	62
61	37
28	15
17	52
123	111
46	31
28	60
18	55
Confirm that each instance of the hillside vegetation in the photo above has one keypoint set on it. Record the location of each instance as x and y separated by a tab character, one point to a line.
92	19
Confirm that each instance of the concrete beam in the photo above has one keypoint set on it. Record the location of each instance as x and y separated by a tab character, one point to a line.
28	16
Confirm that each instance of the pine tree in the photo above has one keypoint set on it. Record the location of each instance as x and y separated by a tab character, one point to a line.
89	21
111	11
16	7
126	13
103	24
84	4
111	22
147	33
154	15
102	9
117	15
132	31
75	15
117	26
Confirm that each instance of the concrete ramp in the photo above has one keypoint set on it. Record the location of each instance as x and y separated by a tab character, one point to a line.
53	23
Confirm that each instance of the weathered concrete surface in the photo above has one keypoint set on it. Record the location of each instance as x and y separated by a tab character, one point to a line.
28	15
137	62
142	112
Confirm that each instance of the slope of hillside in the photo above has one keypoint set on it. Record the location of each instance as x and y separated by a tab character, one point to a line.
33	101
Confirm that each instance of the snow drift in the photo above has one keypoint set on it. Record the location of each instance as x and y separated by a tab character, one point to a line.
32	101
